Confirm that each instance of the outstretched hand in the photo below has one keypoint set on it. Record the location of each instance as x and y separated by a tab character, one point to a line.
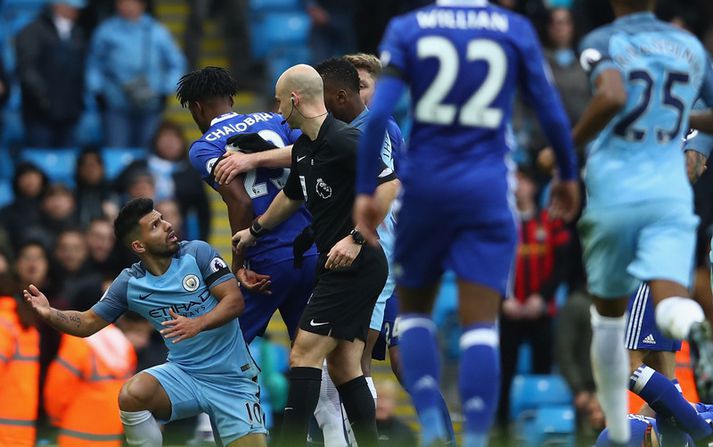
231	165
243	239
38	301
181	327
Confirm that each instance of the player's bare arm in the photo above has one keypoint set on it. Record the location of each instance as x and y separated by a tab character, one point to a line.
609	98
72	322
230	306
240	215
281	208
235	163
695	164
702	120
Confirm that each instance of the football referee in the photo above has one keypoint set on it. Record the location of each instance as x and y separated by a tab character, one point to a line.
350	274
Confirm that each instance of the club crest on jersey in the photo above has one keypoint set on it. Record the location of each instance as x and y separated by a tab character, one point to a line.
589	58
217	264
323	189
191	283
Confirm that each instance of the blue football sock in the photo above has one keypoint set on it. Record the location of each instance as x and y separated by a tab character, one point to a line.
479	381
665	399
446	415
422	374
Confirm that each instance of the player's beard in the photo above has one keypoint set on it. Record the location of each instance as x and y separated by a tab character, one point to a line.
166	250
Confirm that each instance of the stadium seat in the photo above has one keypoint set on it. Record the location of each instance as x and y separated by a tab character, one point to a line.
265	6
282	60
286	29
530	392
58	163
7	165
6	194
524	359
547	426
117	158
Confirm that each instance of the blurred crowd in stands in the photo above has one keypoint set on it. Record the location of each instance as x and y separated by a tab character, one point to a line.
92	78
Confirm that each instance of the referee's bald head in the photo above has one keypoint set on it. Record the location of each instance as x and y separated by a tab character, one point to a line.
300	95
302	79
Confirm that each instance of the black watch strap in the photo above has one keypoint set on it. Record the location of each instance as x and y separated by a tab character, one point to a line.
256	229
357	237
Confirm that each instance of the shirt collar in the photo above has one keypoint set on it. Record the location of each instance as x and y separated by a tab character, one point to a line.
643	16
360	119
222	117
471	3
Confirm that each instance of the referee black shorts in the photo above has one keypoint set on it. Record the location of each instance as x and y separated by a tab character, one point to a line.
343	300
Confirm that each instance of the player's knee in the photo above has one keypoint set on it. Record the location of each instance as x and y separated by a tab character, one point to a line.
132	396
302	357
343	371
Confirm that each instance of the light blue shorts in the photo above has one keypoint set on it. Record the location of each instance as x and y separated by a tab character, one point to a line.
232	402
377	316
625	245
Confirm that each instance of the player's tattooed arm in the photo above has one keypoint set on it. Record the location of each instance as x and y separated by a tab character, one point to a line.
72	322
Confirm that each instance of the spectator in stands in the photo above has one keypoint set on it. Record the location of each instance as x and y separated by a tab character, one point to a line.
133	64
32	267
51	52
527	315
176	179
94	368
19	368
392	430
73	271
29	186
58	212
332	32
136	181
100	245
95	196
4	262
573	337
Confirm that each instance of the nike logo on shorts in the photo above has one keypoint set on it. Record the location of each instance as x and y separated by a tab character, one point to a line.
299	159
314	324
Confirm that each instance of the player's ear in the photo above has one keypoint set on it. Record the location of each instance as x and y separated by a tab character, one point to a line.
137	247
342	96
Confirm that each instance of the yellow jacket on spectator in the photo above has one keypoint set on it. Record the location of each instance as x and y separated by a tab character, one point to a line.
19	377
82	388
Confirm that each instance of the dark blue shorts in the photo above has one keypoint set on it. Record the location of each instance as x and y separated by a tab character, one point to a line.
291	289
641	330
440	230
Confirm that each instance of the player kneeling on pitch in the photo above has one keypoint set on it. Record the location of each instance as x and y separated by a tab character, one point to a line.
186	291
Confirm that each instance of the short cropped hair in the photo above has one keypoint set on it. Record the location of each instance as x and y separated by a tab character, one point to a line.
365	61
128	219
339	72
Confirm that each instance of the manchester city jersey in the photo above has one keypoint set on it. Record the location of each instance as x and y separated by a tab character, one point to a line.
637	157
184	288
262	185
387	229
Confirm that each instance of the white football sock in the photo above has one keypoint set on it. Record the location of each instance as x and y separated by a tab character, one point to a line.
329	412
676	315
372	388
141	429
610	365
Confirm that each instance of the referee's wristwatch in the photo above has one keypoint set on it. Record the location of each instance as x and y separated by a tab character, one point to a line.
256	229
357	237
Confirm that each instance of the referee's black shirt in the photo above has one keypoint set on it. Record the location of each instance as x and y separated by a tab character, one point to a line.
323	175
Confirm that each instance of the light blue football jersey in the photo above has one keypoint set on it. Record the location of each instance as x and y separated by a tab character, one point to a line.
186	288
387	229
637	157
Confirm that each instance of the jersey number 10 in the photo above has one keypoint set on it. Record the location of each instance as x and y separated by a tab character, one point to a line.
477	111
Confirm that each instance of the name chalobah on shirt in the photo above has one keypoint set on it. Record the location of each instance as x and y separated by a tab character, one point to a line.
230	128
461	19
